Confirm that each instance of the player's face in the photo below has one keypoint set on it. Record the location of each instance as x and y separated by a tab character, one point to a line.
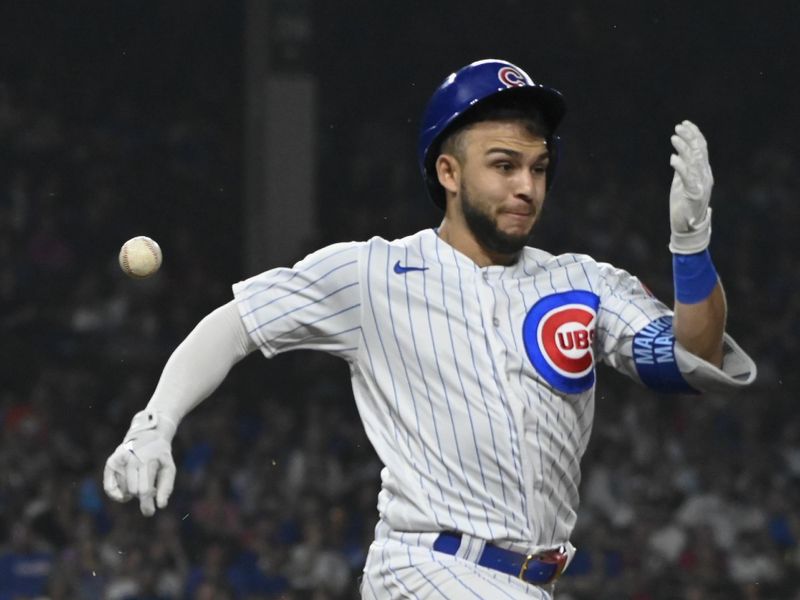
502	185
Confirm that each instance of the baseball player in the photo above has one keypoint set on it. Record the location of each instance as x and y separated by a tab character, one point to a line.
472	354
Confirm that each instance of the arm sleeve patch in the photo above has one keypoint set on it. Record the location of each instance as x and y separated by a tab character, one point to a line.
654	357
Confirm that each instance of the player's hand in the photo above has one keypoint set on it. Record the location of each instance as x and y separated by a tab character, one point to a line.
690	215
142	466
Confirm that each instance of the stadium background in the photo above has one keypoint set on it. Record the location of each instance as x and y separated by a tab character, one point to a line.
127	118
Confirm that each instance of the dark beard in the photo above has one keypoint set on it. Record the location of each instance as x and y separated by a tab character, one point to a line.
485	230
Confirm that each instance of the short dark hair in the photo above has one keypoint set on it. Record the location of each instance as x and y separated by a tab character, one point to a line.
493	109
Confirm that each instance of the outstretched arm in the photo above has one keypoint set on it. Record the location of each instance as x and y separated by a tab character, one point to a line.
142	465
700	307
201	362
699	327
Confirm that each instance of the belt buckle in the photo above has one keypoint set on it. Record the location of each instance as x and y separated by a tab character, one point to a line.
557	557
524	566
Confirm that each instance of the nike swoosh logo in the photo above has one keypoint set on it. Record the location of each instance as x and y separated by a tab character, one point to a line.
400	269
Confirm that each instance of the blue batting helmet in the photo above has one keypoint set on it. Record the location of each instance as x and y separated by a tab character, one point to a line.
466	89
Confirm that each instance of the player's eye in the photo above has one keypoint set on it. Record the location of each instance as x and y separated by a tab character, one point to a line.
504	167
540	169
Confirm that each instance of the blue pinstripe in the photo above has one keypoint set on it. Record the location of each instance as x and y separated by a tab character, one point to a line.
501	397
443	386
483	397
383	348
371	587
322	336
295	272
320	320
538	294
540	401
484	577
552	285
294	310
434	561
422	574
618	315
305	287
560	480
424	380
461	383
411	394
586	277
614	294
515	438
396	578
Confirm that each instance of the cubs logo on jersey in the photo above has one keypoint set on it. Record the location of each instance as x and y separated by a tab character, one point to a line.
558	333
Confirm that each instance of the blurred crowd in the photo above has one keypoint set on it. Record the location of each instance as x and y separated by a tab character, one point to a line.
682	497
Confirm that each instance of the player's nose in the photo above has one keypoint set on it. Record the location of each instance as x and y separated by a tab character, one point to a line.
525	186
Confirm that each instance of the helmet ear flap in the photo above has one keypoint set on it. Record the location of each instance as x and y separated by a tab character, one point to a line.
429	174
554	157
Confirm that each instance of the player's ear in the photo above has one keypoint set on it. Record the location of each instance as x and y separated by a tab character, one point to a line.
448	170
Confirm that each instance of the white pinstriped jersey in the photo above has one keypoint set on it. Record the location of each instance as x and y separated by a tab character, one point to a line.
475	385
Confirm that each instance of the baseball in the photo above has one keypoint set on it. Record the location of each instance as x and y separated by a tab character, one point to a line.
140	257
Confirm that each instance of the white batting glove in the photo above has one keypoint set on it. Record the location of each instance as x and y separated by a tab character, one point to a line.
142	466
689	213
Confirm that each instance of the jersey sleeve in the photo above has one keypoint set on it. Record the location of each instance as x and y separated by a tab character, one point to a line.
634	336
313	305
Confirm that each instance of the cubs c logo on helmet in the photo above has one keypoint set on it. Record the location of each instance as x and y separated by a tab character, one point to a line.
558	333
511	77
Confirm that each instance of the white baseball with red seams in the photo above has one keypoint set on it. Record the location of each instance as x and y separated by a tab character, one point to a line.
140	257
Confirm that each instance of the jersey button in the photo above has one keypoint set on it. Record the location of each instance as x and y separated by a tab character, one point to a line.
485	276
496	322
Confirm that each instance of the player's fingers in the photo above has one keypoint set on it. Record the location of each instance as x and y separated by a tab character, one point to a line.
695	134
114	486
681	146
146	490
165	481
696	146
147	505
147	478
132	476
111	484
680	167
690	183
693	150
120	477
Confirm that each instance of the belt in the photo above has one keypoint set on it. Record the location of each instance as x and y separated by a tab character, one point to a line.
539	569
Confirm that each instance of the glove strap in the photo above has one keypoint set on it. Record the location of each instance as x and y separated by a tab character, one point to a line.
694	276
693	241
146	420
